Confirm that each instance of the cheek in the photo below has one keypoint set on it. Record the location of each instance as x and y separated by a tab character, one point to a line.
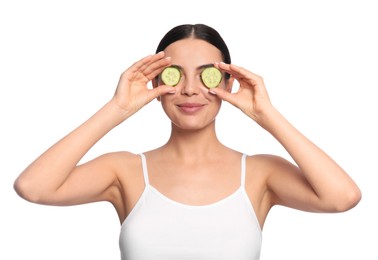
167	104
212	99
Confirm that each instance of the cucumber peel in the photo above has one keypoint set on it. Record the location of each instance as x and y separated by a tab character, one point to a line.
211	77
171	76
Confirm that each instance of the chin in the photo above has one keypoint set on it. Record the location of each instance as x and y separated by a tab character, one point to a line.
192	126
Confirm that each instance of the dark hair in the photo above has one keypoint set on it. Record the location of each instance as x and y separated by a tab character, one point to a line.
196	31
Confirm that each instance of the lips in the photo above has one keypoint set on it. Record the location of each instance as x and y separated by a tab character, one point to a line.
190	107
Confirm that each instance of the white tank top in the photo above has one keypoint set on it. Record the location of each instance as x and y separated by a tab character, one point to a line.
159	228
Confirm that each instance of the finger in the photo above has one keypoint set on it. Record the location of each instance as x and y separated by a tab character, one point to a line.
161	90
143	63
137	66
156	68
224	95
156	58
239	72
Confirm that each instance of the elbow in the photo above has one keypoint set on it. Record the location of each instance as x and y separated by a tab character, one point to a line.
349	200
26	190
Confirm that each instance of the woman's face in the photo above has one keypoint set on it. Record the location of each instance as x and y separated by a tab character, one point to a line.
192	106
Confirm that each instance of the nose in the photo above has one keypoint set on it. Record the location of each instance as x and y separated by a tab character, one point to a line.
190	87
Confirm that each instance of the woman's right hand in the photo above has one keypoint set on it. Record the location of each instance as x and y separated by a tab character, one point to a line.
55	178
132	92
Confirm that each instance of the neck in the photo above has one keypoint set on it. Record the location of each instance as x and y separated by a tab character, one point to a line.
193	144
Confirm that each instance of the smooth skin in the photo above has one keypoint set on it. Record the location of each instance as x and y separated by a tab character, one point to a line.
193	167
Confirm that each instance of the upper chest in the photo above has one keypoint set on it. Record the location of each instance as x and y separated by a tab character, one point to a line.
194	183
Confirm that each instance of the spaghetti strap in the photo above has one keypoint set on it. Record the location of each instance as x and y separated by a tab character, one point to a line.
144	167
243	169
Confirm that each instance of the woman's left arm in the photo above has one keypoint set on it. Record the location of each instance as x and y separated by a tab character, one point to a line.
318	183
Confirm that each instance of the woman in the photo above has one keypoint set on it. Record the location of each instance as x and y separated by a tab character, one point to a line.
193	197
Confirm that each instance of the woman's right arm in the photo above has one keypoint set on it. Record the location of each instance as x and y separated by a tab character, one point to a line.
55	178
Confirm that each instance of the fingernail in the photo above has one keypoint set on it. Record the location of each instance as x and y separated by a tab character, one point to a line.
212	92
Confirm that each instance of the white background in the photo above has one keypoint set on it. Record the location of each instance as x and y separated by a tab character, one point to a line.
60	62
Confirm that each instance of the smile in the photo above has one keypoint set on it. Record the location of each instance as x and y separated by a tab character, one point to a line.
190	108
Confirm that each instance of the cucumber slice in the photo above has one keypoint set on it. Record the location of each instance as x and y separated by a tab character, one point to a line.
171	76
211	77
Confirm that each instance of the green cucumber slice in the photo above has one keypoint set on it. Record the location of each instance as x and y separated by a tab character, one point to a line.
171	76
211	77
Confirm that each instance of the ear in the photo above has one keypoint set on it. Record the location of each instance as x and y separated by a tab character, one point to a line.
229	84
155	84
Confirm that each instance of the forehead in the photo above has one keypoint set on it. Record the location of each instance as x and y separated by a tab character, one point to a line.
193	51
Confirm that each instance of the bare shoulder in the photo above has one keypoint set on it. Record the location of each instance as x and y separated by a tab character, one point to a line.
268	169
123	163
258	169
267	164
119	156
127	168
261	171
115	160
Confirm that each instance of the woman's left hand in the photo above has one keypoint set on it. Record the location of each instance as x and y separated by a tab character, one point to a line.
251	97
